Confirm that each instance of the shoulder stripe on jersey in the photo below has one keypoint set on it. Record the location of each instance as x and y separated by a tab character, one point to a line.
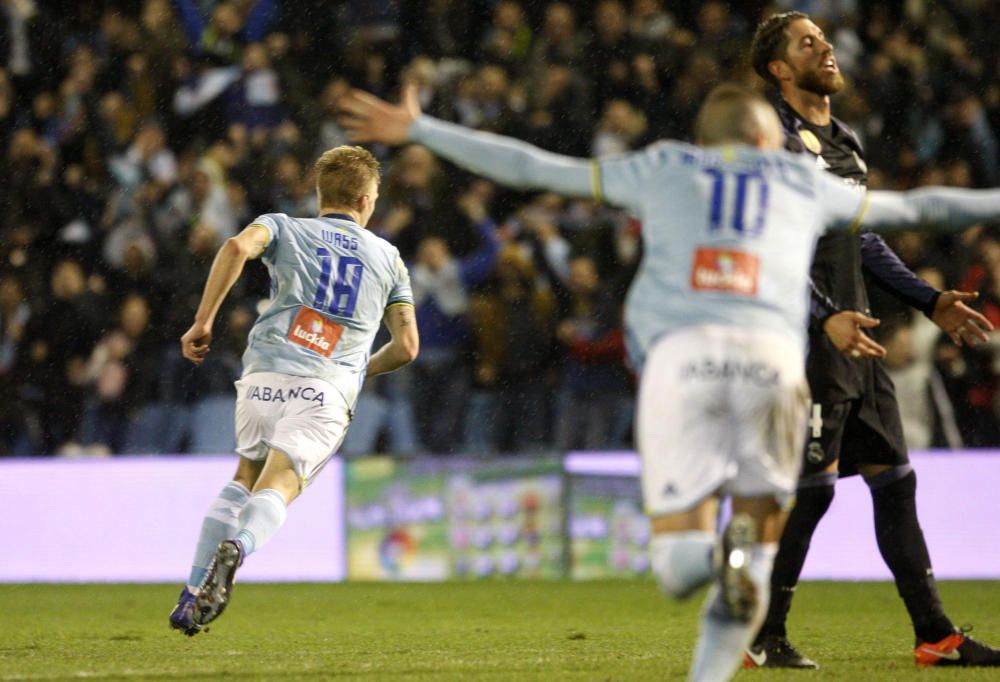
595	180
862	212
269	235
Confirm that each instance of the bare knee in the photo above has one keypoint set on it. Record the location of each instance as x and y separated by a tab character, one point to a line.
247	472
279	474
767	514
700	517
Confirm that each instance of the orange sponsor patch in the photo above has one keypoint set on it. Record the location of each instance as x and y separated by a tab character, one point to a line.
315	332
726	270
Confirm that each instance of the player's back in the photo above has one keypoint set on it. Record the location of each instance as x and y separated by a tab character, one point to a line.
331	280
728	235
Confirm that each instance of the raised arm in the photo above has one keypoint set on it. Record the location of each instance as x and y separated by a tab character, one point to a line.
226	269
511	162
935	208
503	159
891	273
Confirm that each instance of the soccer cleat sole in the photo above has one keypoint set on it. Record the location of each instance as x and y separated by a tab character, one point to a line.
738	591
190	630
218	586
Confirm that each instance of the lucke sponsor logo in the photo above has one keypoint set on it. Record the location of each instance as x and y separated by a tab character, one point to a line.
725	270
313	331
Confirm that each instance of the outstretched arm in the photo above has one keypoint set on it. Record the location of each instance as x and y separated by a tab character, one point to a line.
503	159
940	208
947	309
891	273
226	269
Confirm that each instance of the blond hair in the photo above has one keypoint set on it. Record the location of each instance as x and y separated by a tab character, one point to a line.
343	175
731	113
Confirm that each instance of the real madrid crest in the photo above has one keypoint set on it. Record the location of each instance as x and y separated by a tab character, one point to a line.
810	140
814	453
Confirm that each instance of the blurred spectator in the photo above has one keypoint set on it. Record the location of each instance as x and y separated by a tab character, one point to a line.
619	129
442	285
594	380
513	322
136	135
508	39
559	43
227	29
53	354
14	315
120	377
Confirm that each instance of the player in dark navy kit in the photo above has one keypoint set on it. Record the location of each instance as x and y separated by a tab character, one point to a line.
855	427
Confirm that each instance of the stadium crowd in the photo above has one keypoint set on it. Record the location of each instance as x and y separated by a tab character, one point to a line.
136	135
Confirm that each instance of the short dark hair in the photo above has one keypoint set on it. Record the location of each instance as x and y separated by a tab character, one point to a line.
770	42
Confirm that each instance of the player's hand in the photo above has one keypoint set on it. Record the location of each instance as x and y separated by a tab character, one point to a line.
844	329
366	118
961	323
196	341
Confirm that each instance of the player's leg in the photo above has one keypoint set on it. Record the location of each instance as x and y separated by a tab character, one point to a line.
769	415
261	517
893	485
901	542
681	548
220	524
814	493
737	602
302	433
682	445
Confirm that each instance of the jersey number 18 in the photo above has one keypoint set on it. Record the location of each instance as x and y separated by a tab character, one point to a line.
345	287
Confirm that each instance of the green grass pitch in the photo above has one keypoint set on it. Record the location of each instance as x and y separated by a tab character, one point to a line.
451	631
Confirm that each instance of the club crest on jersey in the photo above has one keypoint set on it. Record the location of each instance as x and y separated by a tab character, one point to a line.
734	272
315	332
811	142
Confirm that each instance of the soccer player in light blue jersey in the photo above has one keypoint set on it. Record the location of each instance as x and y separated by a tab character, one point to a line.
715	321
332	284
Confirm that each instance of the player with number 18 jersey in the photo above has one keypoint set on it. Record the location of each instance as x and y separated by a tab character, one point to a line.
331	280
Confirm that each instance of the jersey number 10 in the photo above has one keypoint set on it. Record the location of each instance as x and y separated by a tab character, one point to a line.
745	184
345	288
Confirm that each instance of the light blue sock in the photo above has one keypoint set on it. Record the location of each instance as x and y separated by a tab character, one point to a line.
261	517
721	642
682	561
221	523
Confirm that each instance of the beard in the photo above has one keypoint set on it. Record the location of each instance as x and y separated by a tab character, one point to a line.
819	82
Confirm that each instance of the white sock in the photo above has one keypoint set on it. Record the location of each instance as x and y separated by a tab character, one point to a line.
221	523
681	562
261	517
722	642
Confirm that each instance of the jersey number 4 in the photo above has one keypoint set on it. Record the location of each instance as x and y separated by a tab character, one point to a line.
345	287
746	184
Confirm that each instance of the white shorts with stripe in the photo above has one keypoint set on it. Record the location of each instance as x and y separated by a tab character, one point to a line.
303	417
721	410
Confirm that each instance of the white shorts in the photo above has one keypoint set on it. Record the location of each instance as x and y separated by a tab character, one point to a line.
303	417
721	410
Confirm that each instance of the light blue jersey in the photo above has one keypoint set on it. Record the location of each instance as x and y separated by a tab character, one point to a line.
728	232
331	281
728	236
